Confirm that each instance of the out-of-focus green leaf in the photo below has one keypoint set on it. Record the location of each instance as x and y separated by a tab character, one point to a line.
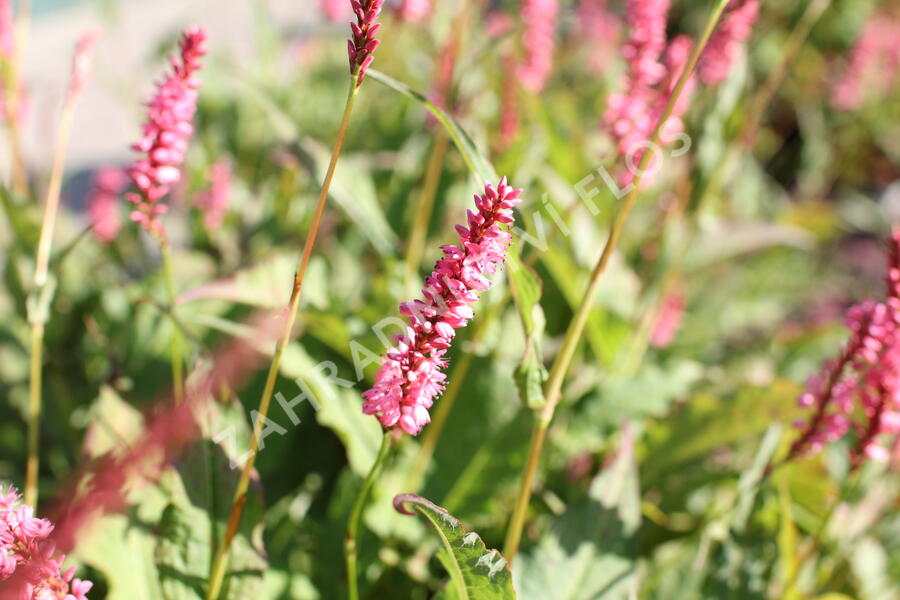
706	423
197	513
476	573
591	552
338	405
530	373
354	190
266	284
477	163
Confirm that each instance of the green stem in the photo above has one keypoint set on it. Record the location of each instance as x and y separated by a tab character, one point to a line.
34	414
576	327
220	560
350	547
175	345
41	297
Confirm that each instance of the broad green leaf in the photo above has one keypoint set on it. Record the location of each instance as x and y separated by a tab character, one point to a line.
196	515
590	554
475	160
265	284
476	573
707	423
748	486
354	190
121	546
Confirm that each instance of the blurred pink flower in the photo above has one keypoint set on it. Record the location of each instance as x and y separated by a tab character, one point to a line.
361	47
509	104
600	31
335	10
668	319
30	569
629	113
859	391
81	63
734	29
7	33
103	203
411	374
874	68
166	132
413	10
215	200
539	17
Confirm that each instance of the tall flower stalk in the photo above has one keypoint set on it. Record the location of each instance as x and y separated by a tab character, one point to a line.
412	372
560	367
42	291
163	145
360	50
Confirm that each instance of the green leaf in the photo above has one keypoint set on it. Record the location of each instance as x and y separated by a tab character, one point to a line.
338	408
476	573
590	554
354	190
530	373
475	160
196	515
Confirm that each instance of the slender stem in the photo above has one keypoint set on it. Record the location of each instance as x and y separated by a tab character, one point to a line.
175	344
350	548
419	231
38	312
576	327
217	571
34	414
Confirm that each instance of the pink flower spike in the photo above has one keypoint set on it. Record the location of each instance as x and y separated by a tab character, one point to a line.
735	28
335	10
30	568
363	42
413	10
167	132
103	203
81	63
538	35
215	200
874	68
858	392
411	374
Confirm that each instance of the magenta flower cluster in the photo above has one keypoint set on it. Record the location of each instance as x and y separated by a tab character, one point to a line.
654	68
413	10
215	200
538	39
167	132
874	68
362	45
29	566
411	374
335	10
630	113
600	30
859	391
103	203
724	45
